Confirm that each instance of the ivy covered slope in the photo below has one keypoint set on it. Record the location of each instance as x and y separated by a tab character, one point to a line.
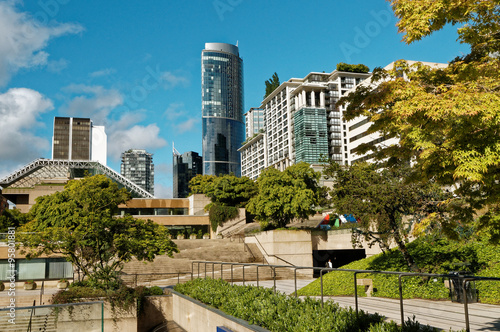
432	256
278	312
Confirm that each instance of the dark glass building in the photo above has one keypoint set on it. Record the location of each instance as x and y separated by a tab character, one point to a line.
186	166
222	108
72	139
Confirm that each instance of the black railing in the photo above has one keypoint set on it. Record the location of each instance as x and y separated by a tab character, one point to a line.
464	280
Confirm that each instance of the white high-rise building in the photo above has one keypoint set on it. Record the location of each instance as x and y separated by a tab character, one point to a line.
301	123
138	167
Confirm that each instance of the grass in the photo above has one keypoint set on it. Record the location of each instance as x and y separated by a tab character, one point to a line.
438	256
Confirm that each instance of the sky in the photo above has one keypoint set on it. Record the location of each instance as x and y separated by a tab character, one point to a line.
135	66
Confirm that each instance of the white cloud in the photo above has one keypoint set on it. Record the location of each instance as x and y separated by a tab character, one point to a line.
94	102
175	110
20	110
179	118
187	125
163	180
57	66
136	137
103	72
162	191
23	38
171	80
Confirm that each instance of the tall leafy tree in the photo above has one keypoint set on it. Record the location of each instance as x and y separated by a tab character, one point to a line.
285	196
12	218
272	84
447	119
81	223
386	203
230	190
201	183
227	193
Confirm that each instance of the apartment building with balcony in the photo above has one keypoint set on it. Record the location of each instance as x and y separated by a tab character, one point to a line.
301	123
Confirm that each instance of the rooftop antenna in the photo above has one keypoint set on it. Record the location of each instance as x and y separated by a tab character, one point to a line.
236	43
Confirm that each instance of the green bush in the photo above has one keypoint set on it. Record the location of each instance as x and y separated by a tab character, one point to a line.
123	298
278	312
219	214
359	68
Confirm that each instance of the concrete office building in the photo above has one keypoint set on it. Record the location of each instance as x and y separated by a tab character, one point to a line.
138	167
78	139
301	123
223	128
185	167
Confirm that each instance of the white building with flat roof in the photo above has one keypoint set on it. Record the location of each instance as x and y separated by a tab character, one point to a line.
301	123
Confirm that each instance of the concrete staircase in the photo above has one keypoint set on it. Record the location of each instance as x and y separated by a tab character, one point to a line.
43	320
167	271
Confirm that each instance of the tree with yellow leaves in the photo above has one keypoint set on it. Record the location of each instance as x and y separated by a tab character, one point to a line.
447	119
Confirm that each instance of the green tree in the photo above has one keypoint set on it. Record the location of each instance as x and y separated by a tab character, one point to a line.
230	190
285	196
447	119
272	84
81	223
201	183
12	218
384	201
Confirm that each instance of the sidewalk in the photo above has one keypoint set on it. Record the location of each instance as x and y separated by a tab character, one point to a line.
443	315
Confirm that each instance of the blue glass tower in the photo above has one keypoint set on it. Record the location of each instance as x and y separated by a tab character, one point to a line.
222	108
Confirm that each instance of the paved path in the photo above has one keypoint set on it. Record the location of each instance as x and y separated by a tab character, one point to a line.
444	315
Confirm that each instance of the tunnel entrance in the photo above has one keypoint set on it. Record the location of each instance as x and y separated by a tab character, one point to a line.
339	257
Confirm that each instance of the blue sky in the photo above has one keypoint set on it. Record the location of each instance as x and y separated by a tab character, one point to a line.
134	66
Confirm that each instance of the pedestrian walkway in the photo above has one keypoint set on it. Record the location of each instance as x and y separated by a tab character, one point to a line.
444	315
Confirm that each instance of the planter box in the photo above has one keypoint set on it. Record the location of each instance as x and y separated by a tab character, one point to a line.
192	236
180	237
30	286
62	285
192	315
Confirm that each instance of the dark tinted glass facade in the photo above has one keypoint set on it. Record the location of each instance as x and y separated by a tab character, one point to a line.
186	167
222	109
71	138
80	145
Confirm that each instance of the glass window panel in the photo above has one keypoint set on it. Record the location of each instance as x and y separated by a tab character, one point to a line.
60	268
31	269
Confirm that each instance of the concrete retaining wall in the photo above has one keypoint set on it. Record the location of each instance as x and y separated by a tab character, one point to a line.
195	316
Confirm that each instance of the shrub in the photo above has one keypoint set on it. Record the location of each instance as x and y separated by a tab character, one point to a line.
359	68
219	214
278	312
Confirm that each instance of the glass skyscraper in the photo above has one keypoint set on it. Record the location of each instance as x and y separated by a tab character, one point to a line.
186	166
222	108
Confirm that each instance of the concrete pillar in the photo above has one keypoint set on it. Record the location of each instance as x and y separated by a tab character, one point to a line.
322	99
304	98
297	102
313	99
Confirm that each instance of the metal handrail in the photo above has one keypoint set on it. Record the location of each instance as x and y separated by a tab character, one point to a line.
266	254
322	270
178	274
